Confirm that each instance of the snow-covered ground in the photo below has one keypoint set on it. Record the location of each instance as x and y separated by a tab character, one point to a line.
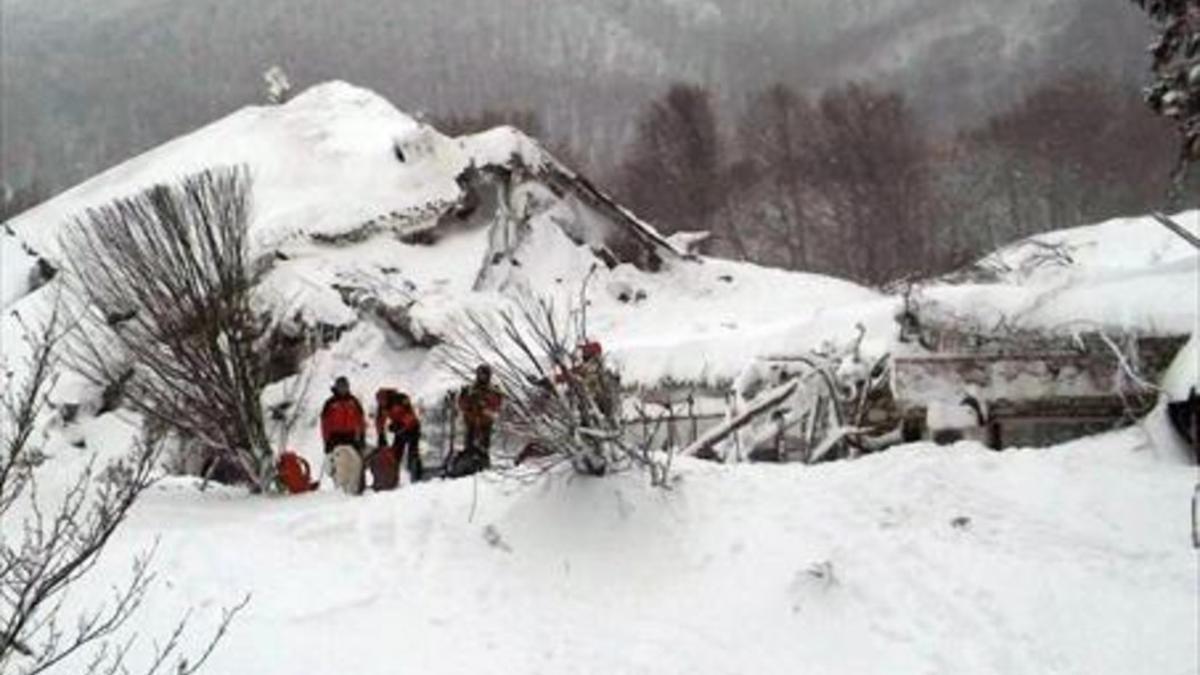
1075	559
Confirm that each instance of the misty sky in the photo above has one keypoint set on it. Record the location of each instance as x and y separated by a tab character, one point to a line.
86	84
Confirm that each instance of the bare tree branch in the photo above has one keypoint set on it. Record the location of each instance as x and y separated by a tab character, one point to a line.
53	541
566	404
164	283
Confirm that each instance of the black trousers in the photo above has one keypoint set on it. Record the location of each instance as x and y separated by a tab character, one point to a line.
479	437
407	444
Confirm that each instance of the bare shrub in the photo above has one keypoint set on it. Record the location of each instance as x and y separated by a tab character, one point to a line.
45	551
566	405
164	287
673	173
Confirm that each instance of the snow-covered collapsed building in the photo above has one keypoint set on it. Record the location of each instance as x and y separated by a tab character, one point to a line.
374	233
1024	393
1053	338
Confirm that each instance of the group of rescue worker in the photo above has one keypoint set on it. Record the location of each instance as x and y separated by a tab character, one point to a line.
398	425
344	422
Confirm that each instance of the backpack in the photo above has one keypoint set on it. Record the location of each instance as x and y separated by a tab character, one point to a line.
385	469
466	463
293	473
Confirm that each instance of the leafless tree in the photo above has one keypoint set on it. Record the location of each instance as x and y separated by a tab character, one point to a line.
841	186
563	403
875	171
51	542
673	176
1076	149
164	285
850	184
774	215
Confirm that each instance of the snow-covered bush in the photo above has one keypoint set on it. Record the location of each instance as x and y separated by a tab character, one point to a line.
561	400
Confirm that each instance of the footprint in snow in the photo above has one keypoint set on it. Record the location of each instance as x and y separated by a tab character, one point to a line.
816	579
492	536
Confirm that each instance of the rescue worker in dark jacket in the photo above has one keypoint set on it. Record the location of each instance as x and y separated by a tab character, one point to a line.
394	412
480	403
343	421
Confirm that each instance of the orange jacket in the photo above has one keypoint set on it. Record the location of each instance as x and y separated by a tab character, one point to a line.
396	408
343	415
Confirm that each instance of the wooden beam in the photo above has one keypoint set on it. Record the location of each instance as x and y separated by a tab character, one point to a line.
1177	229
764	403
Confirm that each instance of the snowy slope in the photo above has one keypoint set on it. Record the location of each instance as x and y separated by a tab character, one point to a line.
321	164
1072	560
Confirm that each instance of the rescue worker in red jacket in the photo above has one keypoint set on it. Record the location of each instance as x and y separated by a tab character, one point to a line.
343	421
394	412
480	403
589	370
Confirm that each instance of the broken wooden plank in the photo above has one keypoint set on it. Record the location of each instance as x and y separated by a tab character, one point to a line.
1177	229
762	404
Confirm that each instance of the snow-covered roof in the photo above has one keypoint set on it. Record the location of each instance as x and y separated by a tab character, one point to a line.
322	163
1123	274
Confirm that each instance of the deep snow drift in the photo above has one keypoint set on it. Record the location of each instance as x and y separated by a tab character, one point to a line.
1070	560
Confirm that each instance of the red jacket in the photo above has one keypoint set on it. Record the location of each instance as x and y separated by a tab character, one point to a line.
396	408
343	416
479	404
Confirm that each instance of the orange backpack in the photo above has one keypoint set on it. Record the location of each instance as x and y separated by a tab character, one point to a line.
385	469
294	474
